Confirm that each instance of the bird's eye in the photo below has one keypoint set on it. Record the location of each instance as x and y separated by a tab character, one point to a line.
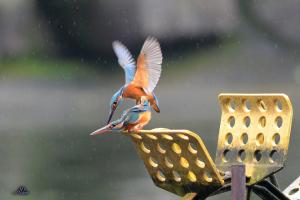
113	125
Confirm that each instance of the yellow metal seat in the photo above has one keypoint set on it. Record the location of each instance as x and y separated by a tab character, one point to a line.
177	161
255	131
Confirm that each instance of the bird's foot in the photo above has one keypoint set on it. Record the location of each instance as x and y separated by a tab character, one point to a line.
134	129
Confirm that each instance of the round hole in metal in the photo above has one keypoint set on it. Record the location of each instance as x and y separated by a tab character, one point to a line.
230	105
184	163
184	137
145	148
207	176
166	136
247	105
160	176
274	156
231	121
261	105
192	148
226	155
276	139
191	176
168	162
161	148
153	137
260	139
244	138
247	121
262	121
176	148
279	122
228	138
176	176
136	136
153	162
200	163
257	155
278	106
241	155
293	191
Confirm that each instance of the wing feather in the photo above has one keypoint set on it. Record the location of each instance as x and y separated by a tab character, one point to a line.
125	60
149	65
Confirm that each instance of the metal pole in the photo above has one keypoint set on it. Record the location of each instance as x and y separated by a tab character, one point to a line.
238	182
249	193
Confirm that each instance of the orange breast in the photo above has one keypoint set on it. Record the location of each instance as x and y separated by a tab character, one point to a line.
134	92
145	118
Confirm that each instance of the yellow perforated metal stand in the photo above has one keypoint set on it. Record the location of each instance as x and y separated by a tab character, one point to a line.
177	161
255	131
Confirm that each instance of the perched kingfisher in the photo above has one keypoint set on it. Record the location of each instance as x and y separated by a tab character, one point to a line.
140	79
132	120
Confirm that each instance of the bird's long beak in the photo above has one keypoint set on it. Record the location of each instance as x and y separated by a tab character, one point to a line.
101	130
111	113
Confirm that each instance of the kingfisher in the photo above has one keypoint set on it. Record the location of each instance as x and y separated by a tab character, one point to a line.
132	120
140	78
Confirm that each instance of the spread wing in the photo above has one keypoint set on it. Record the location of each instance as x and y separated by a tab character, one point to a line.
148	65
125	60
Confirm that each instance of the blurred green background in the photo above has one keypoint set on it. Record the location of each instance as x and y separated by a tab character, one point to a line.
58	73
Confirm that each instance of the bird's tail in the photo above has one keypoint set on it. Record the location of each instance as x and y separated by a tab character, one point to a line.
156	108
154	103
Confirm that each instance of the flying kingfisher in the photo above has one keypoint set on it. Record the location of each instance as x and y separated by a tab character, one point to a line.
132	120
140	79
